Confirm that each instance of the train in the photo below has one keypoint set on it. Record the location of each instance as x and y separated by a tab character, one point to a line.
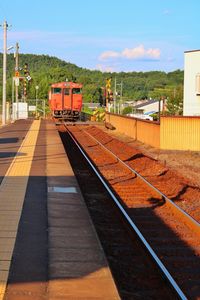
65	101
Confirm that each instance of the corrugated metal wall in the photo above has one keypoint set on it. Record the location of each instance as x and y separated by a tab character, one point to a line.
180	133
144	131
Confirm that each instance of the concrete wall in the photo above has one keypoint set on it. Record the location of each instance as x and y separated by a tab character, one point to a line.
191	101
147	132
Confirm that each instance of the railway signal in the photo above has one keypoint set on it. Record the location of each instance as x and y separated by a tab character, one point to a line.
110	98
108	84
27	78
109	94
26	72
25	87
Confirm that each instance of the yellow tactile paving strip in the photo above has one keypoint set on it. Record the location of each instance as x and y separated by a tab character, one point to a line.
12	193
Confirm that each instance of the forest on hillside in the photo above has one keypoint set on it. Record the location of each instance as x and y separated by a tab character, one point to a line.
45	70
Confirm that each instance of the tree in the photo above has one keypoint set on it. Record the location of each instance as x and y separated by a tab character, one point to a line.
175	101
46	70
127	110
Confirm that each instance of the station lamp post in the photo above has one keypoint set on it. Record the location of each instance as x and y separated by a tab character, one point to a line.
36	92
36	99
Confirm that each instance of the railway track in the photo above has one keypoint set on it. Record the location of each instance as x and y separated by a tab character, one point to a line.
170	235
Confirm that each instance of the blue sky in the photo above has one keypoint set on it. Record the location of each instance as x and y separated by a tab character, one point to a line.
107	35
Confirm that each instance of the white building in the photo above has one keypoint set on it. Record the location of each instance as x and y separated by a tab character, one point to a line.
20	110
148	107
191	99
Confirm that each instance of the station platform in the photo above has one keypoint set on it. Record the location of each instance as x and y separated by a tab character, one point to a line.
48	246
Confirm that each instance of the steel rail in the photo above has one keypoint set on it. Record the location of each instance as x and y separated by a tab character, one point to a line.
164	270
194	225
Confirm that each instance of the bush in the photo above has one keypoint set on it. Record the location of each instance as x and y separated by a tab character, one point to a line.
127	110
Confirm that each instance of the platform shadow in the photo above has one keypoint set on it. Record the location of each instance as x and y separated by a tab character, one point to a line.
9	140
11	154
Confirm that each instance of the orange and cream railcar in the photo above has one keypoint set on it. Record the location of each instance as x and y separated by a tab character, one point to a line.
65	100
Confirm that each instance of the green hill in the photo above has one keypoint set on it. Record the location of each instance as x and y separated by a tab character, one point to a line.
45	70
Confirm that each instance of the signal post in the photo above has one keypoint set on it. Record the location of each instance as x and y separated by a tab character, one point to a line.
108	92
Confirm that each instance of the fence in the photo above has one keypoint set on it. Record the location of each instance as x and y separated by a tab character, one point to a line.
21	110
180	133
172	133
147	132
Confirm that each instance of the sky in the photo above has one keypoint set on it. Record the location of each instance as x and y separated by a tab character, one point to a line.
106	35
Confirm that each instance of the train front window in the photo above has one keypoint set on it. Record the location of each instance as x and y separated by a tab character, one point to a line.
76	91
56	91
66	91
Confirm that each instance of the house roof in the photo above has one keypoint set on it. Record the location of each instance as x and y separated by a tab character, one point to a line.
188	51
145	103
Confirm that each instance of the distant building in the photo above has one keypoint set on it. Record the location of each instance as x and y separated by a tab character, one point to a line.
141	116
191	99
148	107
91	105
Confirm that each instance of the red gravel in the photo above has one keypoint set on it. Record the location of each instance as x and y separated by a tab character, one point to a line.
173	182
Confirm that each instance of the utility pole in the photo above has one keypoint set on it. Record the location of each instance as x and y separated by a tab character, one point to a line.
115	95
16	69
5	25
121	95
108	90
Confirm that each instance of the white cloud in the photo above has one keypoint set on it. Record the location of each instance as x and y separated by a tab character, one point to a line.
132	53
153	53
109	54
103	68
